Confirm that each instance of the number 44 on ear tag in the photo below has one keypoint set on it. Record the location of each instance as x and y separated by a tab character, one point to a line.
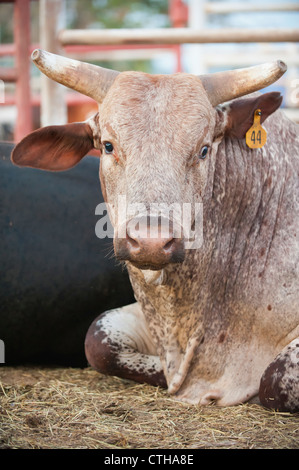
256	136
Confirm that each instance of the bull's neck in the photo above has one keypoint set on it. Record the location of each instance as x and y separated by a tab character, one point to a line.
241	212
242	181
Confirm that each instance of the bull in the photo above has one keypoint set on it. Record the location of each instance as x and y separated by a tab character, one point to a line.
217	321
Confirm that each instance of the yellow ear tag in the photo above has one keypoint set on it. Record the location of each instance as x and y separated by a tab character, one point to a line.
256	136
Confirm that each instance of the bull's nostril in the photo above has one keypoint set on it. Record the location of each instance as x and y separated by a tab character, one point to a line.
133	243
168	245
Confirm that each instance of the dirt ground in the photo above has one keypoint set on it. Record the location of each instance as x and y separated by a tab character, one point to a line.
43	408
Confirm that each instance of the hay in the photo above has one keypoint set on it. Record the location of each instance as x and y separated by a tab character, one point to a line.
74	408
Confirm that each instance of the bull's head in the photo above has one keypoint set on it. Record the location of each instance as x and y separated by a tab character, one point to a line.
158	135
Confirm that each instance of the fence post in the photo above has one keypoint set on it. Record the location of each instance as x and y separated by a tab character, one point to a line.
22	42
53	102
197	20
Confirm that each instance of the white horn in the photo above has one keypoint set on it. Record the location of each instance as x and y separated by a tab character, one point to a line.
230	84
89	79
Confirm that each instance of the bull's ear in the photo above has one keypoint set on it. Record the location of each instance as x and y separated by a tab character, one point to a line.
240	112
54	148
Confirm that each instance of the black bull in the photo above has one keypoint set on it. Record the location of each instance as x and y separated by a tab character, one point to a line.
56	276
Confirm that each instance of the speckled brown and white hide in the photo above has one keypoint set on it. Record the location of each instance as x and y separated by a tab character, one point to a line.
209	326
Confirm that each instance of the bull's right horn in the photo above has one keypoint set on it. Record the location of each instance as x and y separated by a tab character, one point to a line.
89	79
230	84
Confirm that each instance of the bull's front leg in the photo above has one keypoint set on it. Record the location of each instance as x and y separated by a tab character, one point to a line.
119	343
279	387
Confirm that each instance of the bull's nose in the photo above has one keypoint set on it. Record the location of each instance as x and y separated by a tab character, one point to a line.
151	243
148	236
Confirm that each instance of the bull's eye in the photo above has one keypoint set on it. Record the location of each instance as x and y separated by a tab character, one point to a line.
204	152
108	147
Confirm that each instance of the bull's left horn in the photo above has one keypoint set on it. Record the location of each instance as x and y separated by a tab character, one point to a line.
230	84
89	79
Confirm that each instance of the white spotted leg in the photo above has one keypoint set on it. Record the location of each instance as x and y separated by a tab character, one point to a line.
119	343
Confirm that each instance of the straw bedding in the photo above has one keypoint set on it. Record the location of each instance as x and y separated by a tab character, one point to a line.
44	408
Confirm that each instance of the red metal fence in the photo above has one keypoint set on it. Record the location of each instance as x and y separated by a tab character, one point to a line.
79	41
20	73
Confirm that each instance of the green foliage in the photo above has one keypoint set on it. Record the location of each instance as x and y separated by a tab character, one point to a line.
82	14
6	23
117	13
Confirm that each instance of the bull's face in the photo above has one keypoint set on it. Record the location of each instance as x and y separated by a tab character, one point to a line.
158	137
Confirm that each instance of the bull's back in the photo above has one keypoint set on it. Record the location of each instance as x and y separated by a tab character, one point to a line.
55	276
